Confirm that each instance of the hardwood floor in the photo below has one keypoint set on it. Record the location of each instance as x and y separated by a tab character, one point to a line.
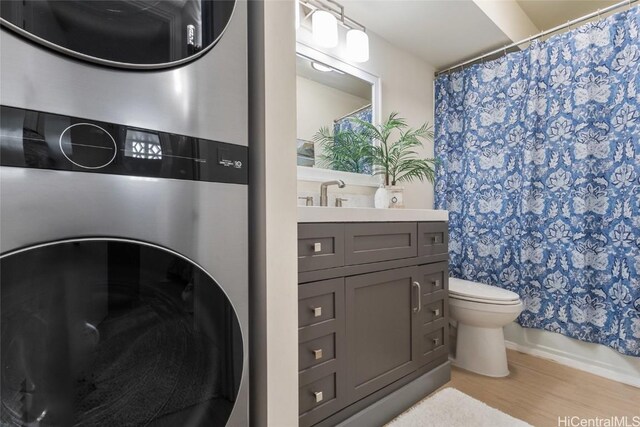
539	391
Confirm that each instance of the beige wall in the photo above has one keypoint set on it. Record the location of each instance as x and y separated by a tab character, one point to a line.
509	17
273	232
407	87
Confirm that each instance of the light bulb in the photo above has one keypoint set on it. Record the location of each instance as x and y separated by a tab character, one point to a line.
325	28
357	45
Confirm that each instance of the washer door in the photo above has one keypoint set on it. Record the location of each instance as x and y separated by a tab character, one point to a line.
107	332
133	33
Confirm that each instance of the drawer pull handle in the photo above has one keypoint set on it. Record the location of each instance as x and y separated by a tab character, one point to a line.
434	239
435	283
436	312
419	307
317	247
318	395
317	354
317	311
436	341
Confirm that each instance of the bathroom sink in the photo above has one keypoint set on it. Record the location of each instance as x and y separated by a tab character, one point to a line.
332	214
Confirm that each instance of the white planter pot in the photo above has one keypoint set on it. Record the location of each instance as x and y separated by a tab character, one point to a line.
396	196
381	198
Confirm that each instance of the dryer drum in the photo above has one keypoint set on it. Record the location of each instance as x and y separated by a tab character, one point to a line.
122	33
110	332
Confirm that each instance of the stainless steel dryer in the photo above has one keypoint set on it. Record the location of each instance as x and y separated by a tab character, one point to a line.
123	213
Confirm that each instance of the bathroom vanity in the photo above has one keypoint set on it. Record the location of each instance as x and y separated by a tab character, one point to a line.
372	312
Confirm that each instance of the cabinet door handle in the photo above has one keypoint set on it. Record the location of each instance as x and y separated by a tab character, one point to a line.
318	395
436	312
436	341
317	311
434	239
435	283
417	309
317	247
317	354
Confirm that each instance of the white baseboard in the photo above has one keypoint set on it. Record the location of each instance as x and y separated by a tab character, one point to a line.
548	353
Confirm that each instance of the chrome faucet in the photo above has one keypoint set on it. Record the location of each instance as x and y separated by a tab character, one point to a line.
324	199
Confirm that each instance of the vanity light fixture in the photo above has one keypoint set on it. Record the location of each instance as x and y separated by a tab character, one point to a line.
325	17
325	28
357	45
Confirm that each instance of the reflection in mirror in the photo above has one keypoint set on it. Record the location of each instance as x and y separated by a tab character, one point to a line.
330	102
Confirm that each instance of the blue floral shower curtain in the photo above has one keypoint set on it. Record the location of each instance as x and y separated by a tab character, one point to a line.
540	173
346	123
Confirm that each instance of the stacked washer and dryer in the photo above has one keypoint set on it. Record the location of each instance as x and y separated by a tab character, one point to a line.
123	213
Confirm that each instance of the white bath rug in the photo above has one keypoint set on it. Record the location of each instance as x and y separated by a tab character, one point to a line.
452	408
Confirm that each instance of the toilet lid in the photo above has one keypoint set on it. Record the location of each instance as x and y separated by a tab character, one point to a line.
479	292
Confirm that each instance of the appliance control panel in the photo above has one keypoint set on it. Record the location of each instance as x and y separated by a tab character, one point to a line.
33	139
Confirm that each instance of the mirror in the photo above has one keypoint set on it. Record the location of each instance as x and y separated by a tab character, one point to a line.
329	94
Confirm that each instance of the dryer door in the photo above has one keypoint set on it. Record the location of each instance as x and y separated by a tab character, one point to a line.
125	33
108	332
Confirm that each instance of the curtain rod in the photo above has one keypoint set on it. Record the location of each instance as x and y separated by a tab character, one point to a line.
541	34
352	113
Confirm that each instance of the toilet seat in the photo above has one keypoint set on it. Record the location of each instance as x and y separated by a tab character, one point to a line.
465	290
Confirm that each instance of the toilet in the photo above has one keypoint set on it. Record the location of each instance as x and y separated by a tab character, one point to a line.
481	311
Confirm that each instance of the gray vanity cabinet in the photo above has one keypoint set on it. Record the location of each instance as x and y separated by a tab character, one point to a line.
382	325
372	313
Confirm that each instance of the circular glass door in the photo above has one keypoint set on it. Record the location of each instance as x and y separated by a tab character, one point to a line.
114	333
124	33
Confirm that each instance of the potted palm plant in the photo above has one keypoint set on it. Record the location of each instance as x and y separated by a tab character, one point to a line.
343	150
374	146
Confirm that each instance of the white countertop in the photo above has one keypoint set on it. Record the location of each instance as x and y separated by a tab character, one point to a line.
331	214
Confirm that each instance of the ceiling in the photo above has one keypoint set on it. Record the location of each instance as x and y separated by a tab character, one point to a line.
546	14
446	32
441	32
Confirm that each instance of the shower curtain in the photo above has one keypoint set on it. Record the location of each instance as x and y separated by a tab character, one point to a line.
346	123
540	172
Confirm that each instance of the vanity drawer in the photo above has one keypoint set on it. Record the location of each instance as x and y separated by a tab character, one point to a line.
434	310
316	351
382	241
320	246
318	393
434	278
319	302
434	342
433	238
